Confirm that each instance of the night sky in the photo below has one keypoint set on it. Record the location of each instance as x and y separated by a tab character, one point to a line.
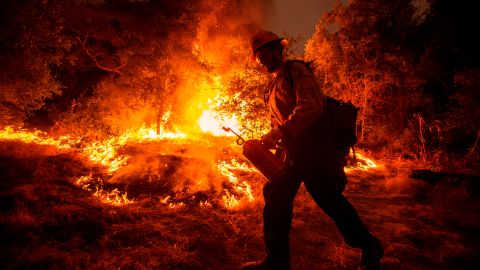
296	18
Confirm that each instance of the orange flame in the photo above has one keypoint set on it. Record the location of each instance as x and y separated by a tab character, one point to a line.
363	163
213	122
226	168
38	137
114	197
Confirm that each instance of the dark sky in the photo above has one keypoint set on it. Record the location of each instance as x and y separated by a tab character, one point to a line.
296	17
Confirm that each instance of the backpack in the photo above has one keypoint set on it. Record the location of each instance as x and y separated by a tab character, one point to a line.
340	117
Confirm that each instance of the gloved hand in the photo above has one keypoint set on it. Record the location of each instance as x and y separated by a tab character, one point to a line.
271	139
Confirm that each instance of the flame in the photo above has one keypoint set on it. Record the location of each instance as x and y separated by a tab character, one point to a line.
212	122
230	201
226	168
234	164
211	96
114	197
105	152
38	137
362	163
167	201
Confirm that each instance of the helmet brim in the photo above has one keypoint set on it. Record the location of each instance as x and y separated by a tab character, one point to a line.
267	44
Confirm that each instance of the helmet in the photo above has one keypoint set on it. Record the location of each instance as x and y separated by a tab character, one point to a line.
262	38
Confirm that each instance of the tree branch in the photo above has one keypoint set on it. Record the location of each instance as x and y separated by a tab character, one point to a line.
116	70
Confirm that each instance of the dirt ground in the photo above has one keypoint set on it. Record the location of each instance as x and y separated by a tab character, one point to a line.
47	221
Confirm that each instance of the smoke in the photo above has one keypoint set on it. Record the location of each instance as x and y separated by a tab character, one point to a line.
182	65
224	35
219	50
180	58
170	169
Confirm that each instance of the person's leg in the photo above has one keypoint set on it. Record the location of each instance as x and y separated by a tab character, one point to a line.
277	215
326	188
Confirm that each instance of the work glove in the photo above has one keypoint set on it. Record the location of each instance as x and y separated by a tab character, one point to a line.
271	139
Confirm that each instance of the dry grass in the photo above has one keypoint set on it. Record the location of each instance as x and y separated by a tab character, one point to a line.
47	222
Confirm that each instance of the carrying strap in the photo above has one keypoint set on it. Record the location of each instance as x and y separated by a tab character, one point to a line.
287	70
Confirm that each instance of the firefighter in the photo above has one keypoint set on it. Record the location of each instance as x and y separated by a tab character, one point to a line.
296	107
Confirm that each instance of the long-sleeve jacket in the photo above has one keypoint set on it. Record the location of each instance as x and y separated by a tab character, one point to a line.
295	99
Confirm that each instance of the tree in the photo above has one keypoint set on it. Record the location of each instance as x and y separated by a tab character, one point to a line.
411	74
363	60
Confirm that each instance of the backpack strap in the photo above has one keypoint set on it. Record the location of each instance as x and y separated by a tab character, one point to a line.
288	69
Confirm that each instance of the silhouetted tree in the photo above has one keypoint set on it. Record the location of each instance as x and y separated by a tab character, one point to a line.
409	73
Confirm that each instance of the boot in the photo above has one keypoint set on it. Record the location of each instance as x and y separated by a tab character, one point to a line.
371	254
266	264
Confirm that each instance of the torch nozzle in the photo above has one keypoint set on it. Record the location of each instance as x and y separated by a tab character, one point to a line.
240	140
227	129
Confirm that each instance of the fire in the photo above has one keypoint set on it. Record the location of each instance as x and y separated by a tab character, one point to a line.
213	122
149	133
234	164
105	153
38	137
114	197
167	201
363	163
203	85
226	168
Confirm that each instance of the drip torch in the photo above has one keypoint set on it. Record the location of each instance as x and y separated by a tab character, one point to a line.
272	166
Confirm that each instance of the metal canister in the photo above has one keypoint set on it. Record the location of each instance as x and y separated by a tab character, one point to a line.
270	165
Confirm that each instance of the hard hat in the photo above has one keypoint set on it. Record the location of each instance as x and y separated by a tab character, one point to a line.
262	38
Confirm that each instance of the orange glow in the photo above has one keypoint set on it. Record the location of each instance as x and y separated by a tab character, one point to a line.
363	163
226	168
38	137
204	93
114	197
213	122
106	154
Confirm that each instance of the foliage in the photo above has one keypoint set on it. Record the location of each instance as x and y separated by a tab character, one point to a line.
400	68
138	62
30	42
248	89
362	61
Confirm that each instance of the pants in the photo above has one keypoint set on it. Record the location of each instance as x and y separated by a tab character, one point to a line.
325	181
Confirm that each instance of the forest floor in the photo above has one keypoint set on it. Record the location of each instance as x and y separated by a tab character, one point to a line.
48	221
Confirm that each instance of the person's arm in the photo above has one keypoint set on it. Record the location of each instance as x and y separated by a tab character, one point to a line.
309	101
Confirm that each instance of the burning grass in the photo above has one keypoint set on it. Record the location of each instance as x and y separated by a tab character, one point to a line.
53	215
